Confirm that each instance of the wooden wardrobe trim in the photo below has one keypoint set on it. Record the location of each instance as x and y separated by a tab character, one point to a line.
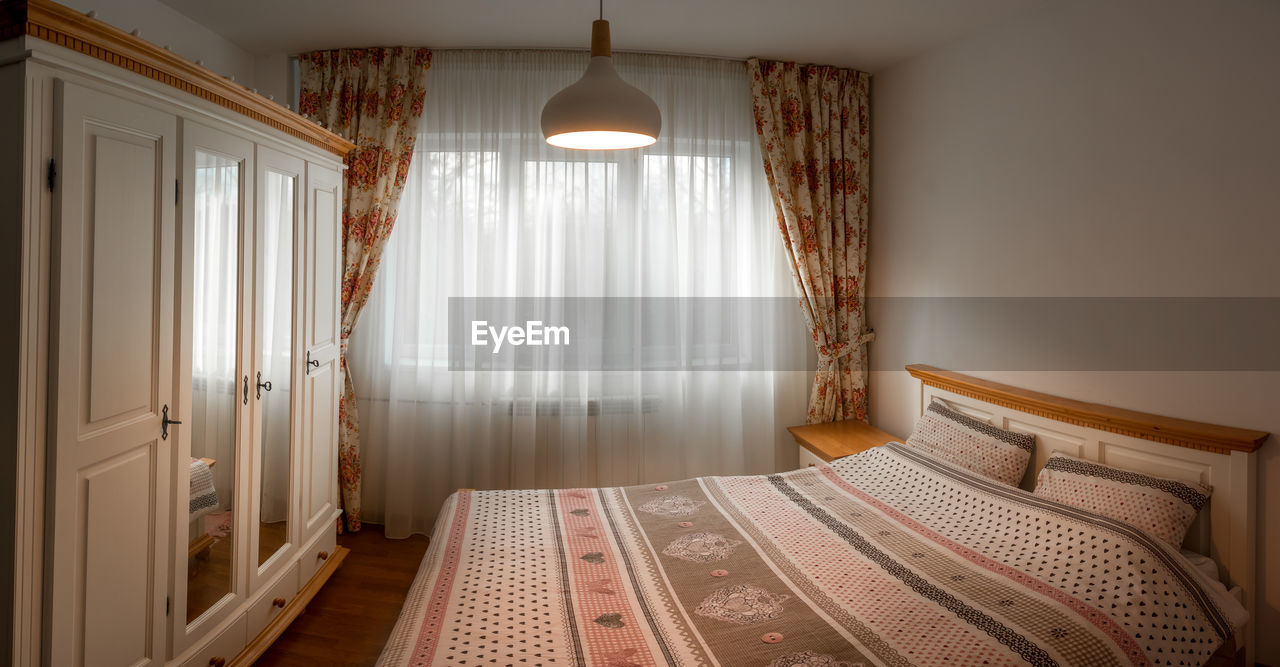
68	28
259	645
1169	430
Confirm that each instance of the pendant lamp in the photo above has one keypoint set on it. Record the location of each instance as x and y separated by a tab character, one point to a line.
601	111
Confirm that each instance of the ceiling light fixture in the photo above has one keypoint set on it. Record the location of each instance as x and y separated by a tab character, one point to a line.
601	111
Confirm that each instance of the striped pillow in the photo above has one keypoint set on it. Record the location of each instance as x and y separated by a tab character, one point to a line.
1162	507
972	444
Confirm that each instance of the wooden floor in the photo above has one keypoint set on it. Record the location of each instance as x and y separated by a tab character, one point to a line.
351	617
208	577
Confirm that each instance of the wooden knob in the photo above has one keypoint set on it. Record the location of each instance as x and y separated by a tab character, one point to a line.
323	555
600	39
278	602
217	662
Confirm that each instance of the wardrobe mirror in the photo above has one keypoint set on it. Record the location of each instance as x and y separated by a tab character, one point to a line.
274	388
214	387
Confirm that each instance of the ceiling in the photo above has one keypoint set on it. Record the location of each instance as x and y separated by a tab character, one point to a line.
866	34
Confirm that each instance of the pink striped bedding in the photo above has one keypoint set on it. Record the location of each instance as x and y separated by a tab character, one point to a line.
887	558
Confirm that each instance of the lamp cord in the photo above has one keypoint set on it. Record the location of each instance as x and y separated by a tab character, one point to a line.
601	10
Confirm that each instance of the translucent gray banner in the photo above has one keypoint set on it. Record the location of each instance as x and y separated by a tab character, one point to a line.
627	334
958	333
1078	333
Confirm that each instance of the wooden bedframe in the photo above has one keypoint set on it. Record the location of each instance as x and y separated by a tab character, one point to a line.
1220	456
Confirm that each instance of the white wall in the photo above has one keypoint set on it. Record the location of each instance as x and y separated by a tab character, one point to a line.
271	76
1098	149
162	25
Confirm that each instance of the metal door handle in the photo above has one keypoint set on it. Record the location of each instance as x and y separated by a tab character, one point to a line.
311	363
165	422
262	385
246	390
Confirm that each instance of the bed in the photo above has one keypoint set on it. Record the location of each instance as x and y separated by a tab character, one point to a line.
202	500
886	557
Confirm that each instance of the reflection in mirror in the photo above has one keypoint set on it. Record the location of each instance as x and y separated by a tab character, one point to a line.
276	246
216	226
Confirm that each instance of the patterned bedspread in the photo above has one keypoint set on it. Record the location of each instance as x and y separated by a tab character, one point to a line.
203	494
885	558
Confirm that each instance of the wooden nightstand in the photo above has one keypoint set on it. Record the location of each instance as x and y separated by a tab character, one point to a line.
823	443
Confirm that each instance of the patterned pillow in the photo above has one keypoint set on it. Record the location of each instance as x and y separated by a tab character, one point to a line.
972	444
1162	507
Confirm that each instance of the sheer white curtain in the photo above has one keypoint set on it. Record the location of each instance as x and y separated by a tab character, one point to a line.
491	210
277	343
215	314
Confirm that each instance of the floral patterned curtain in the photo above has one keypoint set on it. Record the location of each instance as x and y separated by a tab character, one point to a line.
374	98
813	124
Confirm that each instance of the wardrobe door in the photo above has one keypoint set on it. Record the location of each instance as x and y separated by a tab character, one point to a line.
322	382
111	380
277	362
214	268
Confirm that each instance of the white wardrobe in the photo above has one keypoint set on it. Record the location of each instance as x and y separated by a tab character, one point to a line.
174	248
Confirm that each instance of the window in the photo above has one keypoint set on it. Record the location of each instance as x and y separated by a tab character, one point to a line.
491	211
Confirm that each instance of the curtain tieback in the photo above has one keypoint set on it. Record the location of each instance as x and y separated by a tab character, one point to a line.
841	350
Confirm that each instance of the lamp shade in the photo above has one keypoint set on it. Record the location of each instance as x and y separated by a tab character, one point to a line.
601	111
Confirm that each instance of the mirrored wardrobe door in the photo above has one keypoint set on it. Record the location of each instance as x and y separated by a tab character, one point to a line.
215	240
279	187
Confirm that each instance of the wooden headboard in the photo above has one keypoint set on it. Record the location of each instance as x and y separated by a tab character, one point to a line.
1221	456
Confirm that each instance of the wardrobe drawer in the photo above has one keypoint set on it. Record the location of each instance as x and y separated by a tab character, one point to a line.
272	604
223	648
315	555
